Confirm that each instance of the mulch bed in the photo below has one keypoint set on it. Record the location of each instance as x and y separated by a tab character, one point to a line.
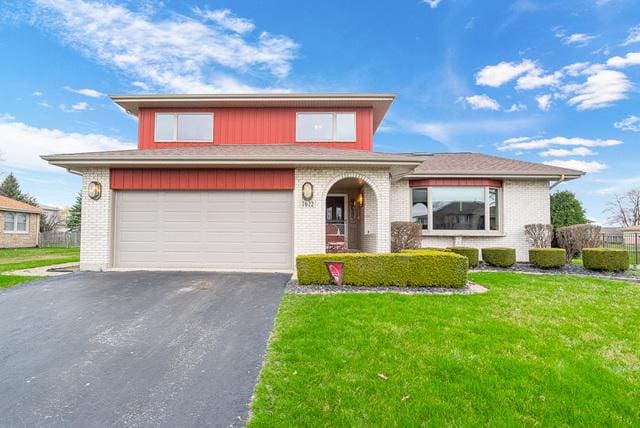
569	269
294	288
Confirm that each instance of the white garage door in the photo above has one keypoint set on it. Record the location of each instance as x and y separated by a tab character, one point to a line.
204	229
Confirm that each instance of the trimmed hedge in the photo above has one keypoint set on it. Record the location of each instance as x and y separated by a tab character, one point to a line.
500	257
547	258
410	268
469	252
607	259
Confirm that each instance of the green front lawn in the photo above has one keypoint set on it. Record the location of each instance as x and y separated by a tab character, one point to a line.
535	350
27	258
7	281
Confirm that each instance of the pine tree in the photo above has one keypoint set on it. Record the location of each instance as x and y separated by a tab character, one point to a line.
10	188
75	214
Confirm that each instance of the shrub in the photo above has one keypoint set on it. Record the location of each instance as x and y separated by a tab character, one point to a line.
500	257
547	258
540	235
470	253
404	235
574	238
419	268
607	259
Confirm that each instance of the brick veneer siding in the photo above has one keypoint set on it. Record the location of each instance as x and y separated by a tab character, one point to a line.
97	220
309	222
20	240
523	202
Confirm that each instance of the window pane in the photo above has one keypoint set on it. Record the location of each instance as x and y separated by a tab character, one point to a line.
314	127
458	208
195	127
165	127
494	209
22	223
420	208
346	126
8	222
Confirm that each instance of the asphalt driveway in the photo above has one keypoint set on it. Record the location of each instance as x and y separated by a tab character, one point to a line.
134	348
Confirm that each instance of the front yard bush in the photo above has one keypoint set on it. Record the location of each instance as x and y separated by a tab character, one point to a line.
606	259
574	238
470	253
405	234
412	268
500	257
547	258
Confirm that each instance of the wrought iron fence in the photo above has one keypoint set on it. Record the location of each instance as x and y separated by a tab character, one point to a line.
59	239
629	241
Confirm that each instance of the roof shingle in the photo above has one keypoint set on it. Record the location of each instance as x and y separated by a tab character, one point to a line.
8	204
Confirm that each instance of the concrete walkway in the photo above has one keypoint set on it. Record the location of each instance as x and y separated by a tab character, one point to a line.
44	270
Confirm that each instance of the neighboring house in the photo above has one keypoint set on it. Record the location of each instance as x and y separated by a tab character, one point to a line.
21	223
247	182
54	217
631	236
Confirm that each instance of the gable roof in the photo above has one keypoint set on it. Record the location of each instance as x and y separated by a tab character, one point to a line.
8	204
379	103
485	166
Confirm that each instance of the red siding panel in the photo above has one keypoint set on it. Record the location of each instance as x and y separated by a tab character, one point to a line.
256	126
455	182
201	179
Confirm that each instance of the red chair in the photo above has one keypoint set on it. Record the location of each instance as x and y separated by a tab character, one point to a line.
335	239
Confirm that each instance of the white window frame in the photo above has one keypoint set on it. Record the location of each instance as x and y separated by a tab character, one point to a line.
334	128
487	222
175	115
15	223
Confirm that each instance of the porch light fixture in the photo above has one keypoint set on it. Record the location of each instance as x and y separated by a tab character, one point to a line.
95	190
360	199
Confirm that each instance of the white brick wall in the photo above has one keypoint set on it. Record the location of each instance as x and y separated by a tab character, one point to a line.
95	245
309	222
524	202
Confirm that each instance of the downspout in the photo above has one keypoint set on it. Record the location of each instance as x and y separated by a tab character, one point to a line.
557	182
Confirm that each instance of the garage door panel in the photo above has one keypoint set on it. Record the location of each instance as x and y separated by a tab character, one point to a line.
204	229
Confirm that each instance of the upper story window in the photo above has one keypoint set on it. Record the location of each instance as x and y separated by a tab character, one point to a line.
15	222
326	127
472	208
187	127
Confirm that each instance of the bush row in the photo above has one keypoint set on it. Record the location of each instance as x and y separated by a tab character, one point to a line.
605	259
409	268
547	258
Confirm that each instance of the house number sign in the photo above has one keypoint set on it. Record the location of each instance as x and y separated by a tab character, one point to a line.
307	195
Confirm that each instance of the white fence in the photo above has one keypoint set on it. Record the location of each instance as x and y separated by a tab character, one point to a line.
59	239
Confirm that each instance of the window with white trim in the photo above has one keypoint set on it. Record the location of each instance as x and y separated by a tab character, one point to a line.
187	127
452	208
15	222
314	127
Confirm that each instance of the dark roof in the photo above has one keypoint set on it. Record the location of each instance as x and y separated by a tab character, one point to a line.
8	204
477	164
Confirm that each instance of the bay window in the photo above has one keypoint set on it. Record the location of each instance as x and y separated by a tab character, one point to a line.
457	208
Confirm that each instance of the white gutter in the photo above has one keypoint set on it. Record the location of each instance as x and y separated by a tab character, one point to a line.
562	178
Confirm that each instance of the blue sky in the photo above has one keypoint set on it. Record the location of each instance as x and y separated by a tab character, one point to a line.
545	81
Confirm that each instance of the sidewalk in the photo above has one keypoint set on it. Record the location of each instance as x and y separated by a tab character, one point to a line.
44	270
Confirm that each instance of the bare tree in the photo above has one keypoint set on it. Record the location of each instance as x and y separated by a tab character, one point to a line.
625	210
577	237
540	235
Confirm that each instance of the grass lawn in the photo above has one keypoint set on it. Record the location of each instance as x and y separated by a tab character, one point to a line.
26	258
535	350
7	281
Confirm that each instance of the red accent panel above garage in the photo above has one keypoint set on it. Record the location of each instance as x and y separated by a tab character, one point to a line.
256	126
201	179
455	182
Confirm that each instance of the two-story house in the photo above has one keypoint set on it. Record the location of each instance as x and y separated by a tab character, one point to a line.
247	182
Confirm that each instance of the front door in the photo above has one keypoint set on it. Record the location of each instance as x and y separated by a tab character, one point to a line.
336	221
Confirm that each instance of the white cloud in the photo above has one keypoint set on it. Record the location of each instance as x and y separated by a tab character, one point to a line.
470	23
432	3
544	102
631	123
632	58
577	39
600	90
534	143
579	165
633	37
482	102
535	79
617	185
81	106
86	92
516	107
444	132
499	74
141	85
576	69
558	153
178	54
226	19
23	144
44	104
37	94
